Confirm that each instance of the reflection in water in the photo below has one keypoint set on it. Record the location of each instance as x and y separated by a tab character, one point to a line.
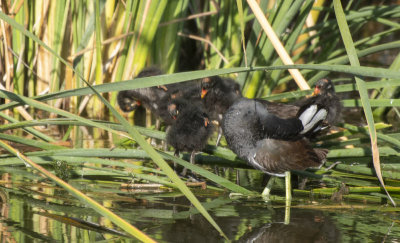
41	212
304	226
259	225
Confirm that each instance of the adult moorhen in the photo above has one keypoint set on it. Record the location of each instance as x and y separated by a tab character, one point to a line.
191	129
270	143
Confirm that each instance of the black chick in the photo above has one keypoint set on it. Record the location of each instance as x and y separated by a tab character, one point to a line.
218	94
129	100
191	129
269	143
324	95
190	93
153	98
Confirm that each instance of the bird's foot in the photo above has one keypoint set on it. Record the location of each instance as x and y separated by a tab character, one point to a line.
266	194
331	166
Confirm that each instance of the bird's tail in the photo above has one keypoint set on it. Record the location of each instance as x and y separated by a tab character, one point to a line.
312	119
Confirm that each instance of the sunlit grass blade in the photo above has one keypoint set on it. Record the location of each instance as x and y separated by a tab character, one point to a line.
381	136
29	142
131	130
28	129
79	161
348	43
66	121
43	106
241	19
217	179
301	82
140	154
185	76
95	205
58	20
97	106
373	103
344	60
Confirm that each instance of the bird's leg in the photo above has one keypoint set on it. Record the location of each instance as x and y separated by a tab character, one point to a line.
157	127
288	186
192	156
164	142
176	154
287	211
267	189
218	140
192	161
219	136
331	166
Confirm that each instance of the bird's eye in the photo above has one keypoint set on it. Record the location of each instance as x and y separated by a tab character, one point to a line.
206	83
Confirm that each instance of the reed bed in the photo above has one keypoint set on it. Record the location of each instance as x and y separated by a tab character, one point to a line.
63	63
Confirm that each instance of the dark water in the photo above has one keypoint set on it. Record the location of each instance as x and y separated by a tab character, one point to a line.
40	212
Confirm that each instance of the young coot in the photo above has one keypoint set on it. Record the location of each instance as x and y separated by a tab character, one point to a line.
270	143
191	129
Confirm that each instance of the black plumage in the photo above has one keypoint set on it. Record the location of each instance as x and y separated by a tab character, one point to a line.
191	129
218	95
154	98
324	95
270	143
129	100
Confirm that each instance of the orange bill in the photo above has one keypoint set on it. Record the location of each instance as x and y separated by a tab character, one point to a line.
203	93
206	122
316	91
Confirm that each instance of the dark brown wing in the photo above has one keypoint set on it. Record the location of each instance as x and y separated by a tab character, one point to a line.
283	111
278	156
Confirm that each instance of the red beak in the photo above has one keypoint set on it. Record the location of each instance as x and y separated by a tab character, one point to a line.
206	122
203	93
316	91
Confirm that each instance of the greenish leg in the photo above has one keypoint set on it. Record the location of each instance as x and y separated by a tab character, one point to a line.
287	211
288	185
268	187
